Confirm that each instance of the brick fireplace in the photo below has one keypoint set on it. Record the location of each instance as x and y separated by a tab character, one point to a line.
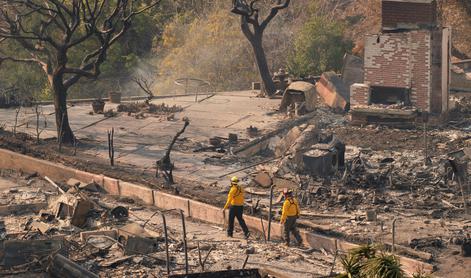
406	66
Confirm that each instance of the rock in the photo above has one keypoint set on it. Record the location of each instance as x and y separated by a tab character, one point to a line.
342	198
250	250
92	187
284	183
132	229
73	182
436	214
139	245
287	141
371	215
457	240
263	179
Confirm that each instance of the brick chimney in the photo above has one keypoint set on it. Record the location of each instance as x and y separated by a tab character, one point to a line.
408	14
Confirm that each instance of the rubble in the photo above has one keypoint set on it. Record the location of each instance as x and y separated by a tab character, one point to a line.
20	252
140	109
263	179
333	91
75	208
324	159
60	266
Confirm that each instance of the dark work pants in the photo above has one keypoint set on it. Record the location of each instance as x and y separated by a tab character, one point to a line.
290	227
236	211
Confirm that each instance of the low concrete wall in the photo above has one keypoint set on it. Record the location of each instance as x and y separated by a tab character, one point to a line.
165	201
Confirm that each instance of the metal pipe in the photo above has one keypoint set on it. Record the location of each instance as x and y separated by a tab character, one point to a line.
199	257
164	221
246	260
185	247
263	229
394	235
465	206
269	212
207	255
166	244
335	258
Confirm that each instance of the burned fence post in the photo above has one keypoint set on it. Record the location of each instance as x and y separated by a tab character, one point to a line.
199	256
263	229
164	223
167	263
246	260
270	212
207	255
38	112
111	146
165	165
459	171
17	112
185	247
425	120
335	258
393	248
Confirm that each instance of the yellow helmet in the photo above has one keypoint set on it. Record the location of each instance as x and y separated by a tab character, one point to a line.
234	180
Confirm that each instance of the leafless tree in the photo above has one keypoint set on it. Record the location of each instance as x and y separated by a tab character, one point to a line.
146	85
38	111
52	31
253	29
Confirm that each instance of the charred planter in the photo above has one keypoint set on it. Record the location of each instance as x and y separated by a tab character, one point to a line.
466	248
98	106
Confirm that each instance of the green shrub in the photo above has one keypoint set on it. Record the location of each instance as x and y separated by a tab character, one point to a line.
367	262
320	46
382	266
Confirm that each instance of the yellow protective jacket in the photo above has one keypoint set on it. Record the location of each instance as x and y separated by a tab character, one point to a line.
290	208
235	196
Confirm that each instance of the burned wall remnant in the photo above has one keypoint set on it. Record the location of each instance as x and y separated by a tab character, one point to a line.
331	88
407	65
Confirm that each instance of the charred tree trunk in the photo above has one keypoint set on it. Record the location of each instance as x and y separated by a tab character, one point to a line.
253	29
165	165
260	58
64	132
48	32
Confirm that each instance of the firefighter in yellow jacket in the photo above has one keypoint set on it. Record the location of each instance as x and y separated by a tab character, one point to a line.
235	203
289	215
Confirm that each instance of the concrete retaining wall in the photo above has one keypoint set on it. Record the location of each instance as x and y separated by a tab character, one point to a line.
165	201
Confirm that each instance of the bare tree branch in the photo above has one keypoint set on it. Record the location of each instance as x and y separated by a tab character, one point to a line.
49	31
145	85
282	4
253	30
